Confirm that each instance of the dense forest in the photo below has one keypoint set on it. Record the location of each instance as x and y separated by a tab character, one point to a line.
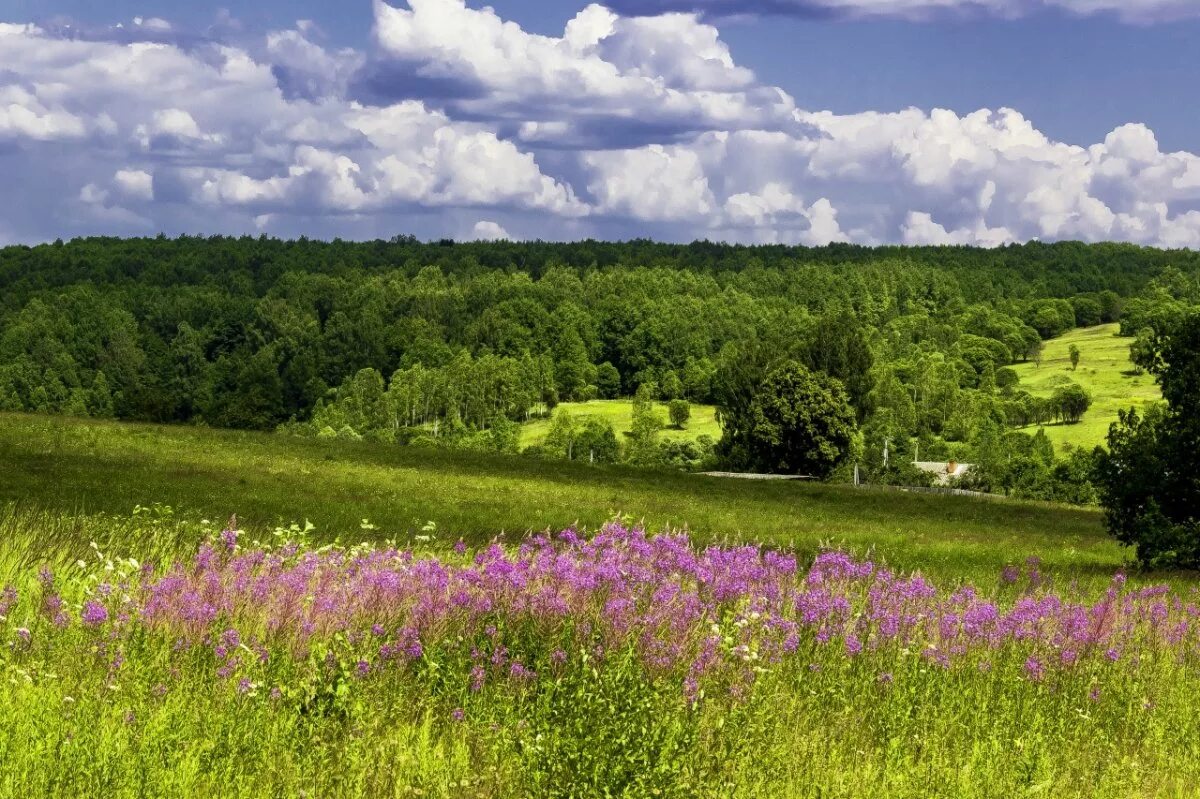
456	343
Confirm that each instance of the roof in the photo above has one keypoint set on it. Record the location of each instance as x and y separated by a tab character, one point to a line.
943	471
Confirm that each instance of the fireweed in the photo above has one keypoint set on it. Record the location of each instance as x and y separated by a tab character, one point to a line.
721	615
700	633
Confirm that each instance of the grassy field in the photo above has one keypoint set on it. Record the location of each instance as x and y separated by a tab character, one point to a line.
148	653
1104	370
88	466
620	413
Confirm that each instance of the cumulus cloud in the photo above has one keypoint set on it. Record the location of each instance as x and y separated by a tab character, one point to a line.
1135	11
487	230
622	126
216	128
607	81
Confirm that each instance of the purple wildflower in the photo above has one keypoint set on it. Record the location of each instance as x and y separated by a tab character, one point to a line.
94	613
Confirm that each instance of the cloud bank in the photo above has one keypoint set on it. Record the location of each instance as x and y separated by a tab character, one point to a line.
457	122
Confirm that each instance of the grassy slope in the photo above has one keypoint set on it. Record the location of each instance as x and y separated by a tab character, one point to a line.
89	466
620	414
1104	370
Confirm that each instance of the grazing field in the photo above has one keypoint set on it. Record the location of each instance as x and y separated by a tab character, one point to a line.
620	413
1104	370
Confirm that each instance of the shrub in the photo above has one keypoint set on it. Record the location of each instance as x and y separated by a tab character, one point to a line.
680	410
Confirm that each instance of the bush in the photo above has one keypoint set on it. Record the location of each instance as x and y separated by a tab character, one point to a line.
680	410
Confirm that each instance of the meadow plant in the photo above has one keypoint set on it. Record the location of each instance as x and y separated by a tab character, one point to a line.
614	664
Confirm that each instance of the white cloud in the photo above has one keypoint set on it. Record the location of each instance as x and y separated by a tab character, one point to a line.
487	230
620	126
135	183
213	126
606	81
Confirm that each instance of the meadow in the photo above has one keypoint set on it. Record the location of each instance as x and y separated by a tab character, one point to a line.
619	413
1104	370
399	622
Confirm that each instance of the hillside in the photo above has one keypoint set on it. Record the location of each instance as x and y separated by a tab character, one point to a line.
88	466
620	414
1104	370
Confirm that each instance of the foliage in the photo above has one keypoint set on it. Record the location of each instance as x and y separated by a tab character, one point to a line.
799	422
1071	402
1150	477
679	411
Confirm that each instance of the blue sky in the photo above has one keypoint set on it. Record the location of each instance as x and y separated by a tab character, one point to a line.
950	121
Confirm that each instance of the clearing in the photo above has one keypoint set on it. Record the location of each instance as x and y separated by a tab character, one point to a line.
1104	370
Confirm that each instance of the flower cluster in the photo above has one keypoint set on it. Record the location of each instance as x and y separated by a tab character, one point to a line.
693	614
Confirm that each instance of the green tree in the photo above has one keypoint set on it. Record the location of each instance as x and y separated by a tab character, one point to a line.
643	446
608	380
560	439
799	422
1071	402
1074	353
679	410
596	442
1149	479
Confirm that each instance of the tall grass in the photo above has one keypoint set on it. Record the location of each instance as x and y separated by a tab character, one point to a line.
620	665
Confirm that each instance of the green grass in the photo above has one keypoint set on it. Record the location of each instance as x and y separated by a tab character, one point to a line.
88	466
127	709
165	722
619	413
1104	370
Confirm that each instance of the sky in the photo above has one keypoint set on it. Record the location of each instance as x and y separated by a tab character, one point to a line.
796	121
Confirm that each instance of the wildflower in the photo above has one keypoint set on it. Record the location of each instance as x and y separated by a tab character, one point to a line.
1094	694
885	678
1034	668
94	613
362	668
458	714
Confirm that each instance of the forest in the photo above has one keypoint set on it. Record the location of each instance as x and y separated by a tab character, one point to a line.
456	344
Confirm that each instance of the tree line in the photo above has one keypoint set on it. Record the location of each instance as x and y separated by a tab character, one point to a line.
459	342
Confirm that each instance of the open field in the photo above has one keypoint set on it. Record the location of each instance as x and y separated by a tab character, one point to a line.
620	413
1104	370
90	466
152	653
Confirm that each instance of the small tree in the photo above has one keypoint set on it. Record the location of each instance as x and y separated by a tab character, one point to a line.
1143	350
560	439
1071	403
1035	352
608	380
643	436
680	410
1074	351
